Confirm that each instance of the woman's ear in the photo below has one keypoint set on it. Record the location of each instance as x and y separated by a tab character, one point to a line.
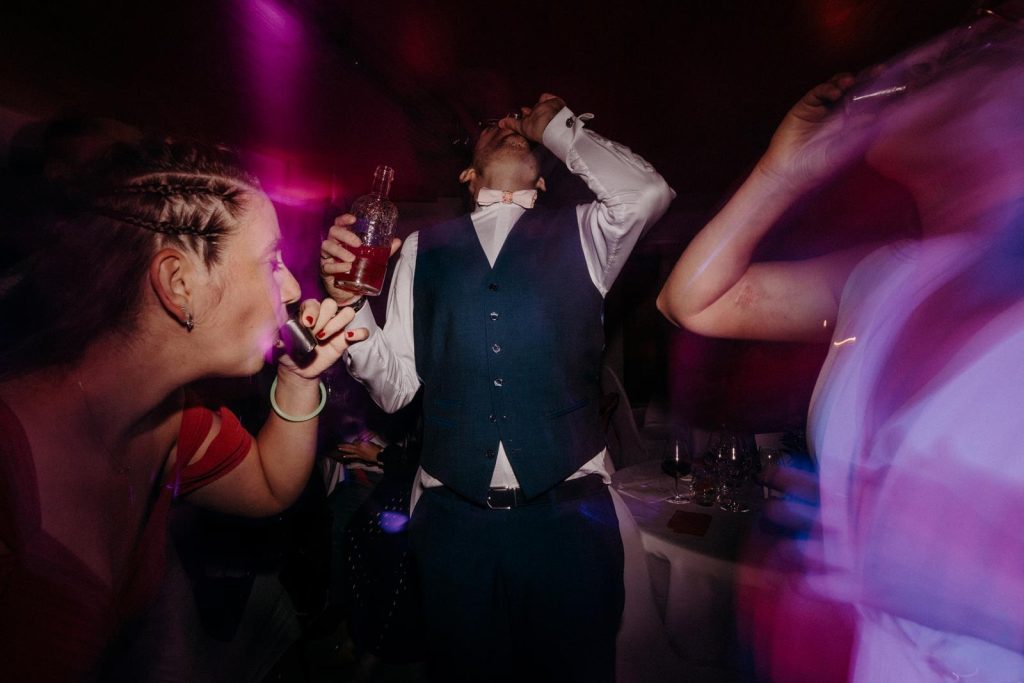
170	275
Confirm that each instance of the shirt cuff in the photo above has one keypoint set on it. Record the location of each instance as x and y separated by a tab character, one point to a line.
363	318
562	131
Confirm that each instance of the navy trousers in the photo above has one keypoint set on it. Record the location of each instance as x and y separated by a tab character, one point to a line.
529	594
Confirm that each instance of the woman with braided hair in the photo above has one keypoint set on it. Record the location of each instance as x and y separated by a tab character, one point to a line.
122	281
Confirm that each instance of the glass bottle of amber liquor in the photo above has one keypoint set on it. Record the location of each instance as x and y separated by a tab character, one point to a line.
376	218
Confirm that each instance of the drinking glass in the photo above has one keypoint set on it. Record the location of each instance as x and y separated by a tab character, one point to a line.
732	464
705	482
676	464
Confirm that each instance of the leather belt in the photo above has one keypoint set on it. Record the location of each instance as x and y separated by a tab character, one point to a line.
570	489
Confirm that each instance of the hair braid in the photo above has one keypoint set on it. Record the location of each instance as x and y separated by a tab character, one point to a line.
192	208
100	220
169	190
163	228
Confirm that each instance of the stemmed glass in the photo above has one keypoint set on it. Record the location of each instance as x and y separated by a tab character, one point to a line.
676	464
733	464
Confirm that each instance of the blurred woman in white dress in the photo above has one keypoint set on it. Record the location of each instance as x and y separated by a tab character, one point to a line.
915	421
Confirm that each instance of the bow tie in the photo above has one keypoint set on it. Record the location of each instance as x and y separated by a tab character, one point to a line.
524	198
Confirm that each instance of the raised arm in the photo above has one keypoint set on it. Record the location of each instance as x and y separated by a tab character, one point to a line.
714	288
631	195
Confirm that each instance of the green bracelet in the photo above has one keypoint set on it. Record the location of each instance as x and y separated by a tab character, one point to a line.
292	418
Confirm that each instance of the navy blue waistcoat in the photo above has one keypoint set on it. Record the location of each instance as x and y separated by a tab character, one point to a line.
510	353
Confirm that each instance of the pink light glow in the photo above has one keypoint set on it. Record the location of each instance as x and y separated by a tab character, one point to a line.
275	53
287	180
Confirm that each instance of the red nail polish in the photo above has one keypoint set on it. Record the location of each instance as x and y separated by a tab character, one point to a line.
309	319
349	334
321	334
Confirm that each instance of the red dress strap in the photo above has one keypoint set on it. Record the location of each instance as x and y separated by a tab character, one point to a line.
225	452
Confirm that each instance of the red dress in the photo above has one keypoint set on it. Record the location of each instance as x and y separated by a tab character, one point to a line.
57	618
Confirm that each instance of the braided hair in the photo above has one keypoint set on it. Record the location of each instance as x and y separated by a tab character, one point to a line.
77	235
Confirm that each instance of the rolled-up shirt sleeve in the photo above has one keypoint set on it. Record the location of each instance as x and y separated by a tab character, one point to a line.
631	195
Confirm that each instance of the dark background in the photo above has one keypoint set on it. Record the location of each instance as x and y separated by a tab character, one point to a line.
317	92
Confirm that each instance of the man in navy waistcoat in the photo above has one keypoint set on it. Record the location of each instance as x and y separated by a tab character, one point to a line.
497	315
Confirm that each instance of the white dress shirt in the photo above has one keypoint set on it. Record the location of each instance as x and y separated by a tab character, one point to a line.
631	196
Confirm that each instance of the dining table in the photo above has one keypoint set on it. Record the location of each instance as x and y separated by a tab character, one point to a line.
694	558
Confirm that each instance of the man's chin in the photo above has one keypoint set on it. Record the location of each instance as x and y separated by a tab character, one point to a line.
515	141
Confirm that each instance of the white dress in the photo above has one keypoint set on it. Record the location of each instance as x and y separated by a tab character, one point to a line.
921	514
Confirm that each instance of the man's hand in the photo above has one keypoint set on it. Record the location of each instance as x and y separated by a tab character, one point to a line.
535	119
336	259
358	451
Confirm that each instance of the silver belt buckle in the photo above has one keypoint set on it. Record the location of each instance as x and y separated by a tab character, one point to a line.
490	506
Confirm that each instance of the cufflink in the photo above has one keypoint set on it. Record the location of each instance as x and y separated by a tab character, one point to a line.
570	121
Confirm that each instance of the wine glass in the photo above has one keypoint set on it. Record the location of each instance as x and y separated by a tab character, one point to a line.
676	464
733	464
705	481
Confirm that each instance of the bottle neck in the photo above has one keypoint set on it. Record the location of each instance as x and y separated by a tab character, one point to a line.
382	178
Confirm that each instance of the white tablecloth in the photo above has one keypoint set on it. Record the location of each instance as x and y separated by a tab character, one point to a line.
692	579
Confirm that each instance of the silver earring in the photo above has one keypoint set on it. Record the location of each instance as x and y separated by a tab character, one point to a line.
190	322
